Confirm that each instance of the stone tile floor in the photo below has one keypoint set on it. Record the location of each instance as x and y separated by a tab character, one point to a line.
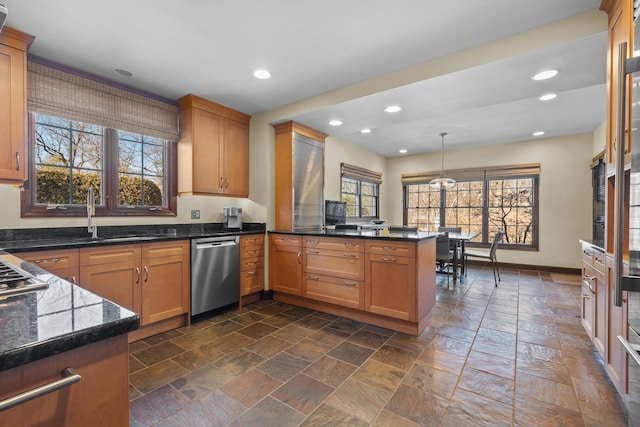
515	355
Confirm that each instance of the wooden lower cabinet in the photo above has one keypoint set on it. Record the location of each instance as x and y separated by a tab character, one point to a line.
100	398
151	279
285	264
386	283
251	265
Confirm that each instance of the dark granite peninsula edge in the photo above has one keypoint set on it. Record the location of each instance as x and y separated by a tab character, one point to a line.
37	239
63	317
376	277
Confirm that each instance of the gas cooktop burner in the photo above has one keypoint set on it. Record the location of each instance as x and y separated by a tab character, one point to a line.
15	281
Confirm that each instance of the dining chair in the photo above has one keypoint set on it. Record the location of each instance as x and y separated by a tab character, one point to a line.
444	255
454	245
491	256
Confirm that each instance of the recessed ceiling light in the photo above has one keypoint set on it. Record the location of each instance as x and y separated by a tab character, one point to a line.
123	73
548	96
546	74
402	150
261	74
366	130
335	122
392	109
538	133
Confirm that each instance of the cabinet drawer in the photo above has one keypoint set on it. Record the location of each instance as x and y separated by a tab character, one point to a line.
163	249
353	245
252	240
51	260
345	264
599	261
110	254
587	254
251	251
247	264
251	281
285	240
391	248
334	290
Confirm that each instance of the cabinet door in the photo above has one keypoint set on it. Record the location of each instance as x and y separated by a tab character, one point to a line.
600	316
615	356
13	114
391	286
619	31
117	282
207	148
285	266
236	158
588	298
164	281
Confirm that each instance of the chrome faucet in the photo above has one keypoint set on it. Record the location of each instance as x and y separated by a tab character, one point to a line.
91	211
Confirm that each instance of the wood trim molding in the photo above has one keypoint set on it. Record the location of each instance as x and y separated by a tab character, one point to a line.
296	127
607	5
193	101
545	268
16	39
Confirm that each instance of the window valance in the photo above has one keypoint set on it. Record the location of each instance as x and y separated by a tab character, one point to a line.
62	94
362	174
475	174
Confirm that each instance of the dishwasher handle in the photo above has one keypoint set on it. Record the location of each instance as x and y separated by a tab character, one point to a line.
209	245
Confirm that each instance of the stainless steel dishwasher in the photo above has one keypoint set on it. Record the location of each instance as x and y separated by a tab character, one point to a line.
215	273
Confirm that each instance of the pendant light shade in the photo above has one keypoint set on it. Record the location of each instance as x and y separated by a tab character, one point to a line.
442	182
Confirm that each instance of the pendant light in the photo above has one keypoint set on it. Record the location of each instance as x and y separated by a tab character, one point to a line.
442	182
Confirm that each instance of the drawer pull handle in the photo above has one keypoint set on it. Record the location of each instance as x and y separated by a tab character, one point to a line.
251	252
73	280
350	255
314	277
385	259
38	261
313	252
352	284
251	273
350	245
69	376
250	264
313	242
389	248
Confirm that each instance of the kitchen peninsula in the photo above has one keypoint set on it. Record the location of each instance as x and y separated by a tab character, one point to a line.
373	276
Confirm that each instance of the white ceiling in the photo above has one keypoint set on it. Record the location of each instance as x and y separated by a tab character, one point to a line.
211	48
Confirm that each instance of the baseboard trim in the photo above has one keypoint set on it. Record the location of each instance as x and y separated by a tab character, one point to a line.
545	268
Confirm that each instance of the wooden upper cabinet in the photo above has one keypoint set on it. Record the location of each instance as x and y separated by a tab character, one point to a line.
620	30
213	151
13	105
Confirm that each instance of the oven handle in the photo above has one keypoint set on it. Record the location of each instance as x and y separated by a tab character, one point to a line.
630	349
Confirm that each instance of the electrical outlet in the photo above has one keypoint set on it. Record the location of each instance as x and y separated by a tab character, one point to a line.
195	213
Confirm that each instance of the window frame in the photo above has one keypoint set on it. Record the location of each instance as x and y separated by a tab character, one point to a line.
110	171
359	196
484	175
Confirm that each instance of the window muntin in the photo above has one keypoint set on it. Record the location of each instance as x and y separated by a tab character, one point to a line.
484	206
70	156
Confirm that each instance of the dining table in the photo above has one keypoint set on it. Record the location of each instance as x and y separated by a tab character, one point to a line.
460	240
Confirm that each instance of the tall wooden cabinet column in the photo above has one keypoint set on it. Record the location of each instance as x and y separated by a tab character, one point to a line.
13	105
284	170
213	151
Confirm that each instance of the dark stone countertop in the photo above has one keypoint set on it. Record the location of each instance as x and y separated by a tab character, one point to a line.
62	317
38	239
379	234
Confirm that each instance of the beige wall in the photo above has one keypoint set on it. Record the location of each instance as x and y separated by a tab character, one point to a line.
565	190
600	139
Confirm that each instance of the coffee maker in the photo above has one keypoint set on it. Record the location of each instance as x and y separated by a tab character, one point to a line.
232	218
